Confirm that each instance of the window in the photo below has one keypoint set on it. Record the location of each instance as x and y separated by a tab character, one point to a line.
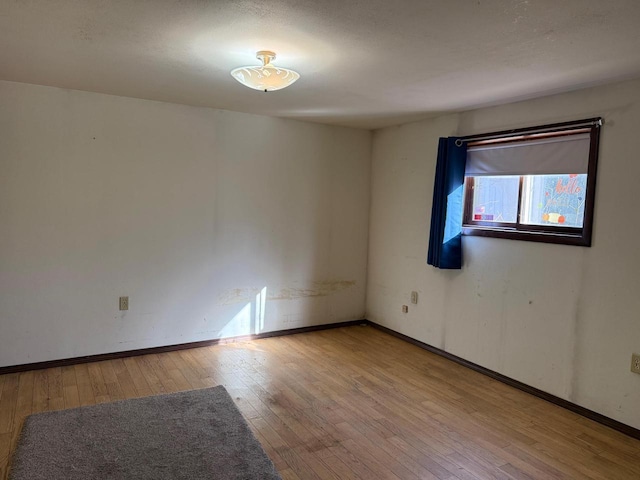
533	184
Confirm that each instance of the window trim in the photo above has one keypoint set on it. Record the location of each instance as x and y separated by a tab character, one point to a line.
537	233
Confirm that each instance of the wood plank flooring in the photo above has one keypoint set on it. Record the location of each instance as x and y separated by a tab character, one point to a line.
350	403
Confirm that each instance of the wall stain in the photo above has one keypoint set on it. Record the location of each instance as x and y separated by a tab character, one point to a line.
320	288
237	295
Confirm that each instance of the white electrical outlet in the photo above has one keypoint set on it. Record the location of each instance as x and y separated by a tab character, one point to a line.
414	298
405	309
124	303
635	363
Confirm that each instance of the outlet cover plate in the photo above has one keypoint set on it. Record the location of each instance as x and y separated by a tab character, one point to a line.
635	363
124	303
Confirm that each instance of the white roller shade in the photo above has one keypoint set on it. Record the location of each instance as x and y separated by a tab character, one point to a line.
547	156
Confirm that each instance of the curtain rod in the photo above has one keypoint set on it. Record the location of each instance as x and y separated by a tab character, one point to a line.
554	127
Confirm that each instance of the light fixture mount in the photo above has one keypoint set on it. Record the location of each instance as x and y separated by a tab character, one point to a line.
266	77
265	56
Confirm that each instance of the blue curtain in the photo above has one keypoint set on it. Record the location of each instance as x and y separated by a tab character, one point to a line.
445	237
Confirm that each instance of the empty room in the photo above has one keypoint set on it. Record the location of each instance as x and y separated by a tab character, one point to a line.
319	239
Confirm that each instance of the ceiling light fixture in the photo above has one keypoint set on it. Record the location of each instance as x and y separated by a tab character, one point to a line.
265	77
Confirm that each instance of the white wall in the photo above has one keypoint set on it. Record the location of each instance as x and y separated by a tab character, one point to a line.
561	318
194	213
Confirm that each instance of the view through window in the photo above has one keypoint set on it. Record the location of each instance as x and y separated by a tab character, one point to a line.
536	184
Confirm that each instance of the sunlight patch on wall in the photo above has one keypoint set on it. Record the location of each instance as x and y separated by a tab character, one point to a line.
250	319
261	303
239	325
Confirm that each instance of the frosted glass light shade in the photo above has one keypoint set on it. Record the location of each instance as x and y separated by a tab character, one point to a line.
265	77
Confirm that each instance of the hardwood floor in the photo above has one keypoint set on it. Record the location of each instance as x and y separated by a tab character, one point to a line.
352	403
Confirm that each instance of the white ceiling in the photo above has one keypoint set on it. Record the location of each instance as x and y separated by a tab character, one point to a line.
364	63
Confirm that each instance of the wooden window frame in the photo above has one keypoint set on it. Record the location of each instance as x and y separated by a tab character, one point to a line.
537	233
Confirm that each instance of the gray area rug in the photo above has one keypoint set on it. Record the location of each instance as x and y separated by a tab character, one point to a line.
198	434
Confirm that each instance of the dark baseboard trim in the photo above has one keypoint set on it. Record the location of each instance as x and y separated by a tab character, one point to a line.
170	348
585	412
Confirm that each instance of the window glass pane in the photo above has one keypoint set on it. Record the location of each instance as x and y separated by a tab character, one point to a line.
554	200
495	199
